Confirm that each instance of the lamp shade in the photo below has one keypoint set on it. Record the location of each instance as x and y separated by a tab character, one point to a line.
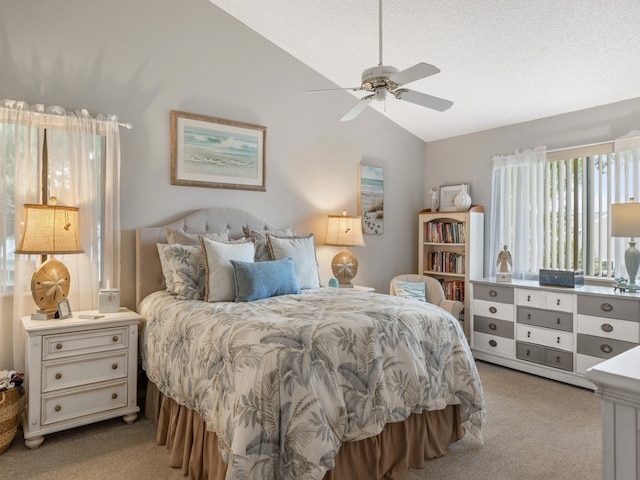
625	219
343	230
50	229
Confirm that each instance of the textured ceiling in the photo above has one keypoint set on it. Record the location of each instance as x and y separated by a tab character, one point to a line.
502	61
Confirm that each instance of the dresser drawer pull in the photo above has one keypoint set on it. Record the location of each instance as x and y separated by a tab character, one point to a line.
114	395
58	346
558	321
493	343
606	307
57	408
528	352
557	358
606	327
58	376
528	298
528	316
558	340
493	293
558	301
493	309
492	326
115	338
606	348
114	366
529	334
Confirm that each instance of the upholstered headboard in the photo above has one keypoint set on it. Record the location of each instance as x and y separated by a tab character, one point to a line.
149	276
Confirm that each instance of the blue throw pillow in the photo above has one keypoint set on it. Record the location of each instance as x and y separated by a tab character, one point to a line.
410	290
256	280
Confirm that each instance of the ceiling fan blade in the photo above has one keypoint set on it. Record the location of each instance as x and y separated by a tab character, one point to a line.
411	74
349	89
423	99
357	108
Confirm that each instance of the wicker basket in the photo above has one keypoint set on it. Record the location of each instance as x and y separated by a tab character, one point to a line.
9	409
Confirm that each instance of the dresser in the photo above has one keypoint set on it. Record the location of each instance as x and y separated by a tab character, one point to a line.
554	332
79	371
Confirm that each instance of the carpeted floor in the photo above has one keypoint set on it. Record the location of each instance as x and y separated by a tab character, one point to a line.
535	429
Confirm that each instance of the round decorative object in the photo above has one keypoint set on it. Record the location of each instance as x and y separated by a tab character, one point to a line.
333	282
344	266
50	284
462	201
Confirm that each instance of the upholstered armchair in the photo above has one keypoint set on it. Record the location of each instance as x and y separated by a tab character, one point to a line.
433	291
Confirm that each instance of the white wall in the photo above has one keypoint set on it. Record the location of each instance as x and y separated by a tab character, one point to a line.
467	158
141	59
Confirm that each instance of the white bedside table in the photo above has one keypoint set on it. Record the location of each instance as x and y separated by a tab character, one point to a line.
79	371
362	288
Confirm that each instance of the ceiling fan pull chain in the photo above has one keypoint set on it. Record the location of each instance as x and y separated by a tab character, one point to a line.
380	30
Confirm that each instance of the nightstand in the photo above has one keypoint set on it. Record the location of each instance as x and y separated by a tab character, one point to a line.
79	371
362	288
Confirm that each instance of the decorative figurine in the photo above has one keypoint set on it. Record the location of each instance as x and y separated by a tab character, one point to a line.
435	203
504	260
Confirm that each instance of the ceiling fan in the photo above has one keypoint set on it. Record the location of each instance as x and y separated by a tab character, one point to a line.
383	79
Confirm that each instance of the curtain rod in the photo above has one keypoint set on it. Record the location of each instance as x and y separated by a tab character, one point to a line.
580	146
128	126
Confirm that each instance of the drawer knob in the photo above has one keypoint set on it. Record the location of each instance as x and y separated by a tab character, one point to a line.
493	309
529	334
493	293
114	395
57	408
558	340
528	316
558	321
115	338
528	353
58	346
606	348
558	301
114	366
58	376
558	359
606	307
528	298
493	343
606	327
492	326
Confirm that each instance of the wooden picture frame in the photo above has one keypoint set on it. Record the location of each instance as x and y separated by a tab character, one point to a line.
447	196
217	153
371	199
64	309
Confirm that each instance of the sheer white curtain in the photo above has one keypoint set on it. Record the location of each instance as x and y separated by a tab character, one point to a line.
626	176
83	171
517	187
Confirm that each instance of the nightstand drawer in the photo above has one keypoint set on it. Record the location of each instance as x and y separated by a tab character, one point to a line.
80	343
59	375
493	293
544	336
57	408
546	318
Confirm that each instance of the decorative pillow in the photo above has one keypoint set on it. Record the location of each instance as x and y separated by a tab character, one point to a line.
410	290
177	236
303	252
259	237
220	285
183	270
256	280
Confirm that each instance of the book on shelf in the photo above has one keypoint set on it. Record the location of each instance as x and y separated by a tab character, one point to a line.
445	262
444	232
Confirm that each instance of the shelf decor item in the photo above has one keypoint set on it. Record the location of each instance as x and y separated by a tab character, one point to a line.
448	194
625	222
344	231
462	201
49	230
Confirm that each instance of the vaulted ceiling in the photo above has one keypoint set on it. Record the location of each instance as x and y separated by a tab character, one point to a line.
502	61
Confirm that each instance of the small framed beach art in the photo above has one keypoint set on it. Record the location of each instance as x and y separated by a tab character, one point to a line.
371	199
217	153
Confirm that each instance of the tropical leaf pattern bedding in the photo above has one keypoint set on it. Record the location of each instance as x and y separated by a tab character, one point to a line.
284	381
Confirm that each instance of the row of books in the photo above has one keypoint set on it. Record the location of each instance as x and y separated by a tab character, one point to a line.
454	290
441	232
446	262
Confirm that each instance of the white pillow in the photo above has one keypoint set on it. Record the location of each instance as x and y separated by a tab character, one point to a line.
303	252
220	283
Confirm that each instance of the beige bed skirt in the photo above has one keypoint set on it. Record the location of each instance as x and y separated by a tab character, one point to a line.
388	455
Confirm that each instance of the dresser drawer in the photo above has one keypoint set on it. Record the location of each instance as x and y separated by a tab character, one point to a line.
546	318
59	375
530	352
493	344
621	308
493	326
609	328
558	359
562	302
489	309
602	347
544	336
493	293
80	343
70	405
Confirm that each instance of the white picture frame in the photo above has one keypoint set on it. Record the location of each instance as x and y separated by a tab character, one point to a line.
447	196
64	309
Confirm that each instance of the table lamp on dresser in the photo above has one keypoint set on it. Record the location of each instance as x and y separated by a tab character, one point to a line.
625	222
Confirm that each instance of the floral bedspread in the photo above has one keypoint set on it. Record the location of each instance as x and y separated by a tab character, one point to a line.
285	380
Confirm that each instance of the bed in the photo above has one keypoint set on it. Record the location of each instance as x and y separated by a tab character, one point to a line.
325	383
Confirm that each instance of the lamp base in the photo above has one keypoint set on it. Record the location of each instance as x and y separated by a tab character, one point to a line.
632	263
344	267
50	284
44	315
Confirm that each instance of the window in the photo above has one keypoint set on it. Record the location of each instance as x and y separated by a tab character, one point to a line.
557	208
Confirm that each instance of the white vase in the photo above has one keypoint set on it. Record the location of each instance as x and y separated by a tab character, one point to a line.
462	200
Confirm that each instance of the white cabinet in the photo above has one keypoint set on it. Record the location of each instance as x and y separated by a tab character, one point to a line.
553	332
79	371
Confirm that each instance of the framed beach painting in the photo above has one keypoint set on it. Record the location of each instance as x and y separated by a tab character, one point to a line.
371	199
212	152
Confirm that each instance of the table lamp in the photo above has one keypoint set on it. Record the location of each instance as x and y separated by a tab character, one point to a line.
48	230
625	222
344	231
